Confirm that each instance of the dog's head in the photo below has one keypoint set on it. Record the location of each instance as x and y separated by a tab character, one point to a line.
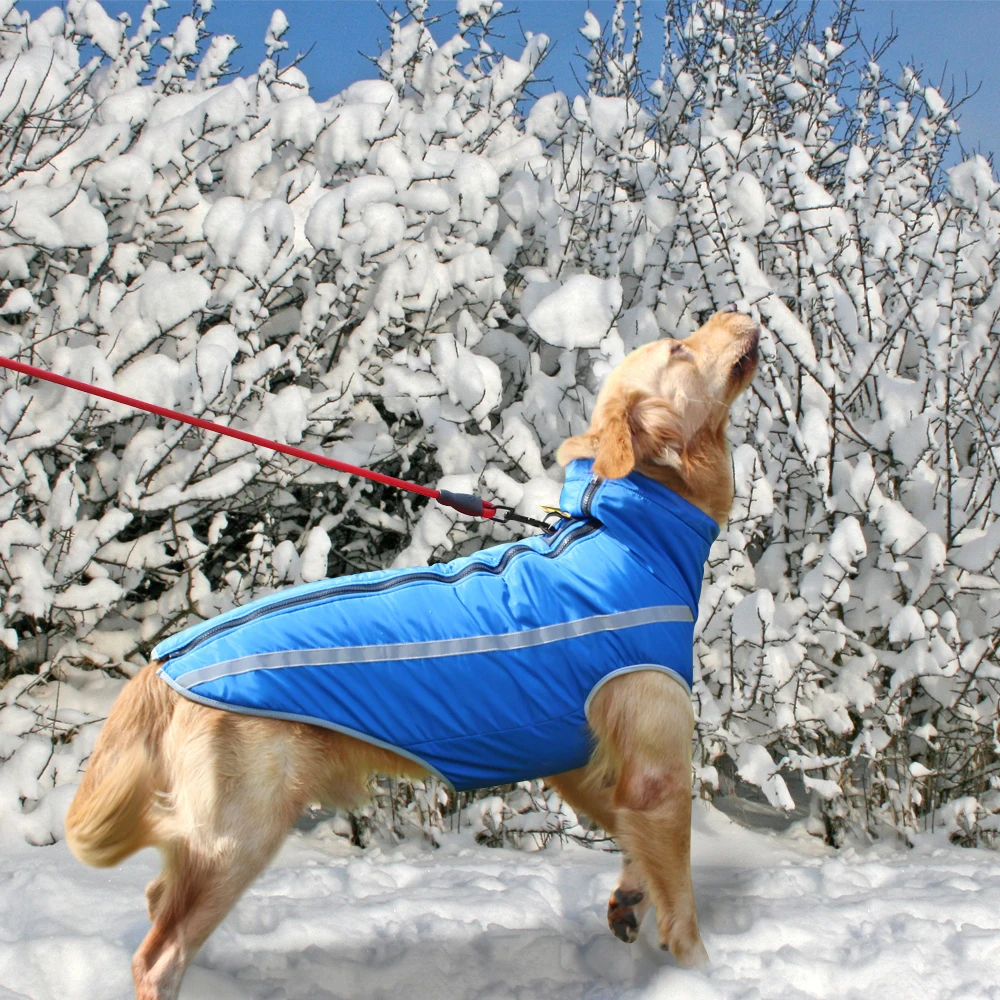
664	411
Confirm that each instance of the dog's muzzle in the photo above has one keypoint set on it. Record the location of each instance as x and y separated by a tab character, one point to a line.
748	360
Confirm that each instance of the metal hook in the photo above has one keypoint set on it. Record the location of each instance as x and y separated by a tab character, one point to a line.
512	515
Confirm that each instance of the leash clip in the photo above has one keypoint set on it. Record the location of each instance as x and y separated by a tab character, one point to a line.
511	515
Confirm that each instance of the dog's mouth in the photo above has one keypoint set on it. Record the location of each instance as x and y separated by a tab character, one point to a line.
746	363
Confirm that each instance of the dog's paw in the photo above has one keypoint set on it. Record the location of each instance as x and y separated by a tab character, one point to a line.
624	913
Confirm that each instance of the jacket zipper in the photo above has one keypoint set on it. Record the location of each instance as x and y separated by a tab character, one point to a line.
569	536
588	495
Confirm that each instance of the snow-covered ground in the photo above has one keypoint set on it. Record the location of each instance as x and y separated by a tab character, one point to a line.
782	918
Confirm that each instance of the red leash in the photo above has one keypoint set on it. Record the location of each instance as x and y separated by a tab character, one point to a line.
464	503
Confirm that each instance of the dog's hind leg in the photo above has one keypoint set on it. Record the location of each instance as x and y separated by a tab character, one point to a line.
236	792
200	885
644	724
587	792
154	894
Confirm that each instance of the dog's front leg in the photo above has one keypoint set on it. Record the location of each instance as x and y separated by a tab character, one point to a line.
629	902
655	831
644	723
588	791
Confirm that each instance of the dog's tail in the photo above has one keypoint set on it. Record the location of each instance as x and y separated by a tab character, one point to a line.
109	818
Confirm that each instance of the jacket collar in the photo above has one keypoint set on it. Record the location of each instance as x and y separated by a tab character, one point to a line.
650	520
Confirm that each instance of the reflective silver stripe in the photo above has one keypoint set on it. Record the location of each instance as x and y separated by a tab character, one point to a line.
436	647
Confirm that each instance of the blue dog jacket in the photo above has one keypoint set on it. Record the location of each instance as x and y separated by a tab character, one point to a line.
481	669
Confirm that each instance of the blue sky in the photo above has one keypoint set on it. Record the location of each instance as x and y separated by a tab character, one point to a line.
953	41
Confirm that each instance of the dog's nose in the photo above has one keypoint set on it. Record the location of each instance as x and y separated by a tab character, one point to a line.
741	325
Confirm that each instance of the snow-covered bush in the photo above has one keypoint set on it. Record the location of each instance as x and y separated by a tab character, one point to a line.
433	272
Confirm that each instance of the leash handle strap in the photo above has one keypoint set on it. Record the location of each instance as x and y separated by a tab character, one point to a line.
462	502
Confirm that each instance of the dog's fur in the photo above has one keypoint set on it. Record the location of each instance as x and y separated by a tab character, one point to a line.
217	792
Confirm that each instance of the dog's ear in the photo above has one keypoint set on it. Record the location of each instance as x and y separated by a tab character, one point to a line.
636	428
656	434
615	456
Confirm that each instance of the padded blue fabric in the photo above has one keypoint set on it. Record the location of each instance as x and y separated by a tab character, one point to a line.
481	668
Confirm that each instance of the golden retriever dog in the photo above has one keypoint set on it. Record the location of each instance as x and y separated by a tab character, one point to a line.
216	792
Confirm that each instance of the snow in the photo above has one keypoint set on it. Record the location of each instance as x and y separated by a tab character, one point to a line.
275	29
509	76
470	8
578	313
754	764
126	176
977	554
322	227
613	119
54	217
17	301
972	180
747	203
781	918
935	102
98	25
548	116
474	382
312	564
906	625
436	271
39	72
591	29
384	227
753	615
